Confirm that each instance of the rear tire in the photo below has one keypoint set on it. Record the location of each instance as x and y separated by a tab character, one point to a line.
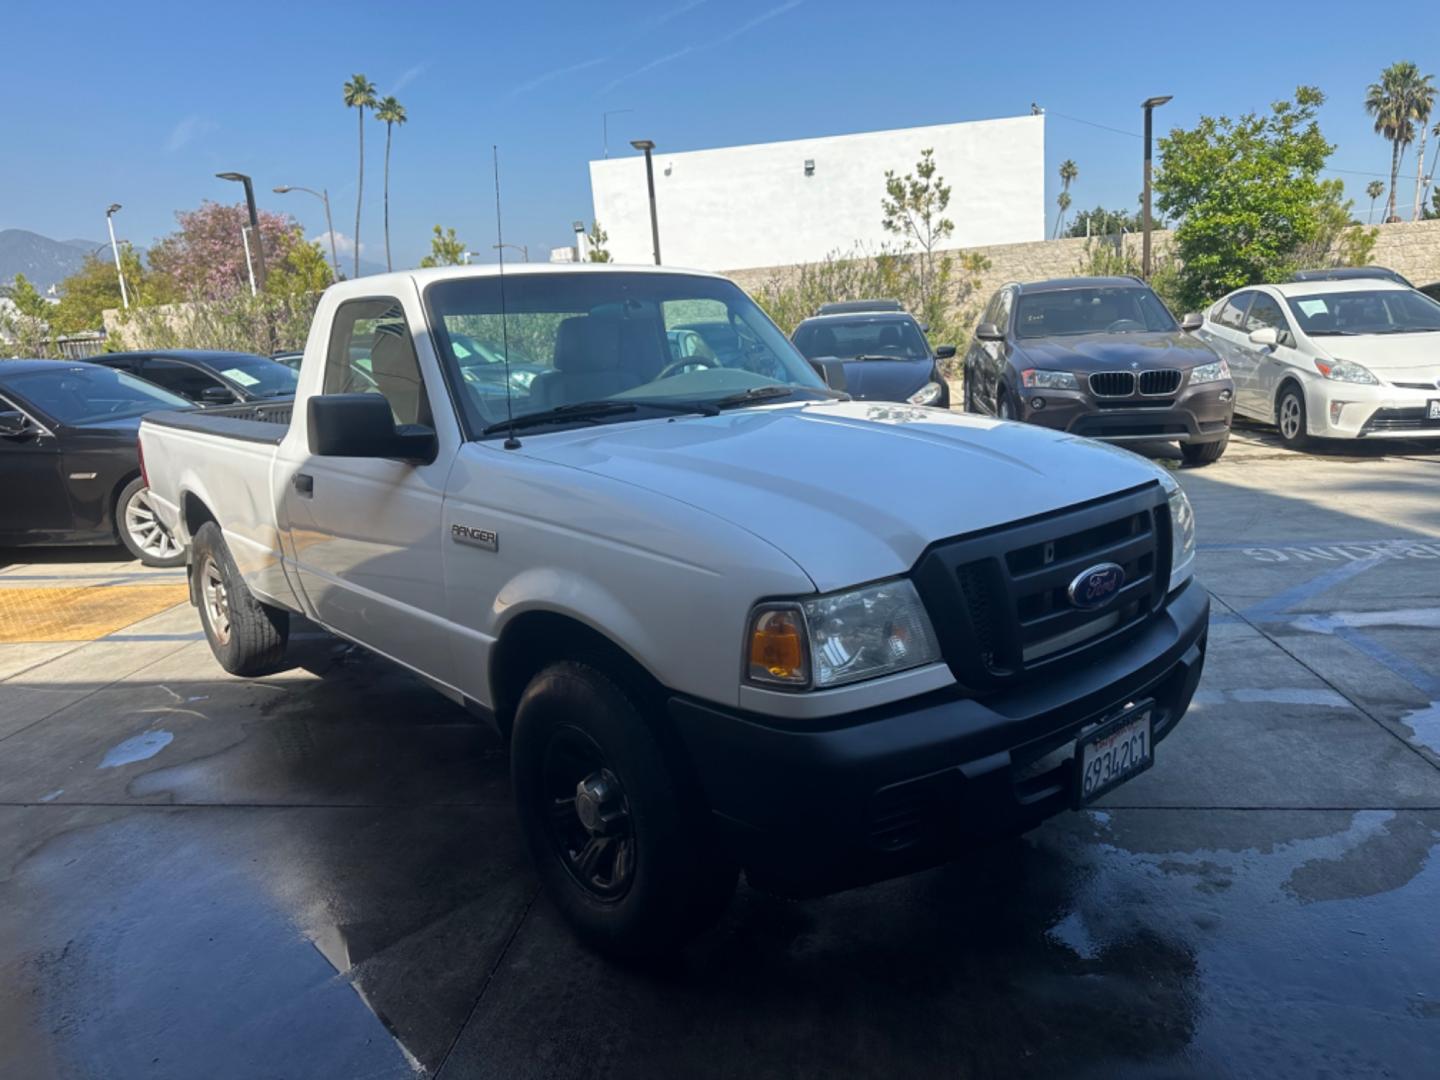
247	637
1003	408
1291	418
139	528
1204	453
623	849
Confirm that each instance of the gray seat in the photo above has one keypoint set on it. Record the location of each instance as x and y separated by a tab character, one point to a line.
588	357
396	372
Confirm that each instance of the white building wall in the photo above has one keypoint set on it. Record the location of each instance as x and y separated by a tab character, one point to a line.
747	206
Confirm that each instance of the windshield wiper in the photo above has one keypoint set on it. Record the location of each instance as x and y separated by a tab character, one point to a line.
884	356
595	410
768	393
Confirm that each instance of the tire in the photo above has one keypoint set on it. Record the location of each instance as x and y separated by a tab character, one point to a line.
139	529
1290	416
247	637
1004	410
622	848
1204	453
968	390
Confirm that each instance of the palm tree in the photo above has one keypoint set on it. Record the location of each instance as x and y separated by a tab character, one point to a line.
1392	102
359	94
392	112
1068	172
1424	103
1374	189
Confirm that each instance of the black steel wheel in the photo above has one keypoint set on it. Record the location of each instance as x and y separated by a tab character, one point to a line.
589	821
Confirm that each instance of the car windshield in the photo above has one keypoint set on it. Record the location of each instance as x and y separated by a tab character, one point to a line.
637	342
259	375
1124	309
89	394
873	338
1365	311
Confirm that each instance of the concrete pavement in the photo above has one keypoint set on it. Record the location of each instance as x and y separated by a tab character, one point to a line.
318	873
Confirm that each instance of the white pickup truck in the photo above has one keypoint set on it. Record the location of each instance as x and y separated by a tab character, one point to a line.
725	617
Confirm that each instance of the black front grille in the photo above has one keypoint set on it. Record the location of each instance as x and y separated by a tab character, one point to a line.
1420	385
1416	419
1112	383
1000	600
1159	382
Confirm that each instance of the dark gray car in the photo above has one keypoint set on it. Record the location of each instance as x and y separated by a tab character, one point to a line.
1100	357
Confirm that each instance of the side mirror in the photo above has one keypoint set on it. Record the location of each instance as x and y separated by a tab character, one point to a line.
831	369
14	423
217	395
944	352
361	425
1192	322
1265	336
988	331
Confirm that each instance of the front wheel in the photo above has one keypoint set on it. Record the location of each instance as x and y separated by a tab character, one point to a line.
1290	418
247	637
622	848
141	530
1003	409
1204	453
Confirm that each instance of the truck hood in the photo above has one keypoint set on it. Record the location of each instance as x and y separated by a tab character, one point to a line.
1114	352
852	492
1407	357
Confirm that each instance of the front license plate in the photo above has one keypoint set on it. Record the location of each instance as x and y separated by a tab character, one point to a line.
1114	752
1432	411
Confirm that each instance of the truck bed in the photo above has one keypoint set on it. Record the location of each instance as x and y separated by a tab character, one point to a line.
261	422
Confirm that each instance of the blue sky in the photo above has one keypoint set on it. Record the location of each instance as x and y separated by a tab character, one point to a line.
140	104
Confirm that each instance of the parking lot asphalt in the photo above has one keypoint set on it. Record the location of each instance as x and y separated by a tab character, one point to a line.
318	873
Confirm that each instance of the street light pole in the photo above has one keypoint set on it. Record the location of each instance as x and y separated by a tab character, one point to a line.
324	196
254	222
605	122
119	272
648	146
523	249
1149	105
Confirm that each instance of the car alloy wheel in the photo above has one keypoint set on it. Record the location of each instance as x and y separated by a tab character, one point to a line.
589	815
1291	417
216	599
1005	410
145	529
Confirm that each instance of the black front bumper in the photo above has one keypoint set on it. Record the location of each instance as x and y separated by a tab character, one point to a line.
908	785
1196	415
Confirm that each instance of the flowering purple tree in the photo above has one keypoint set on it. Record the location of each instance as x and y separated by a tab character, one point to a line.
205	259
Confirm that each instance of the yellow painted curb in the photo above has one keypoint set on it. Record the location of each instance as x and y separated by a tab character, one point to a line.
80	614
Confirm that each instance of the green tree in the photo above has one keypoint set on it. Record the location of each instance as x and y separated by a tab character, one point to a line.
445	249
28	300
304	269
914	209
88	292
1423	106
598	239
1245	194
1393	103
392	113
359	94
1103	222
1374	189
1068	172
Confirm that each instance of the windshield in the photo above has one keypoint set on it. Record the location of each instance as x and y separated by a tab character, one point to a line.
259	375
1124	309
873	338
1369	311
642	339
88	394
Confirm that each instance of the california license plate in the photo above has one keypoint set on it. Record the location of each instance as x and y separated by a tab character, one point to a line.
1433	410
1114	752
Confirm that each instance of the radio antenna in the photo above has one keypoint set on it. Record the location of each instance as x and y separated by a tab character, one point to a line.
511	442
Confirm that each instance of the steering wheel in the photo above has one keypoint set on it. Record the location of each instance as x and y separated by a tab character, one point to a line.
677	366
1120	325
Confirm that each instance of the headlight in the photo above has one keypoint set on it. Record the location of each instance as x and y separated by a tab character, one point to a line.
1345	371
842	638
1035	379
1209	373
1182	539
927	394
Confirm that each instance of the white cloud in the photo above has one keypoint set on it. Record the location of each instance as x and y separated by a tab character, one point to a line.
344	245
408	76
743	28
188	130
541	80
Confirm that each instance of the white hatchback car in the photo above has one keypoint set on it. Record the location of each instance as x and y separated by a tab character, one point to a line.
1357	359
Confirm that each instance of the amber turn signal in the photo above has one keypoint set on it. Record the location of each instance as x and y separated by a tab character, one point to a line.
778	652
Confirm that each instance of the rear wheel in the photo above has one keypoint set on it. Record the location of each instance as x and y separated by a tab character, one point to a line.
623	848
1003	408
1290	418
247	637
1204	453
141	530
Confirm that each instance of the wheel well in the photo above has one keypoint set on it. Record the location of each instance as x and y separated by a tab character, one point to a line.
115	499
538	638
1285	384
194	513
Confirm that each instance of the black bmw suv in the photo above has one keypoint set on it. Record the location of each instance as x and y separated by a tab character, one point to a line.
1100	357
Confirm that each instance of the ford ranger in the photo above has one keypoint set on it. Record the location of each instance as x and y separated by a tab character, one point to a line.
725	617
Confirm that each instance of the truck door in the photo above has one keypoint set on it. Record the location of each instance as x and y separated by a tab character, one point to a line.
364	533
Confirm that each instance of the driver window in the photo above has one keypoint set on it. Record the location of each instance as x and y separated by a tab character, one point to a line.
371	352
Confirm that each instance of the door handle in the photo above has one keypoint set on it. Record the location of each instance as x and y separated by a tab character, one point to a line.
304	485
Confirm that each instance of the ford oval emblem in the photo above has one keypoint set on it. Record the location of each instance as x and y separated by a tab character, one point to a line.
1095	585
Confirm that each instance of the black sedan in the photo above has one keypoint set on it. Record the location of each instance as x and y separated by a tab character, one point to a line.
884	356
69	459
206	377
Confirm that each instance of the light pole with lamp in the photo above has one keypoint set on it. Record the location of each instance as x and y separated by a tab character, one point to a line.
1149	105
119	272
582	249
324	196
647	146
241	178
524	251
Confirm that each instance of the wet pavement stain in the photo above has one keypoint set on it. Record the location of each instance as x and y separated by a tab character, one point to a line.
140	747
